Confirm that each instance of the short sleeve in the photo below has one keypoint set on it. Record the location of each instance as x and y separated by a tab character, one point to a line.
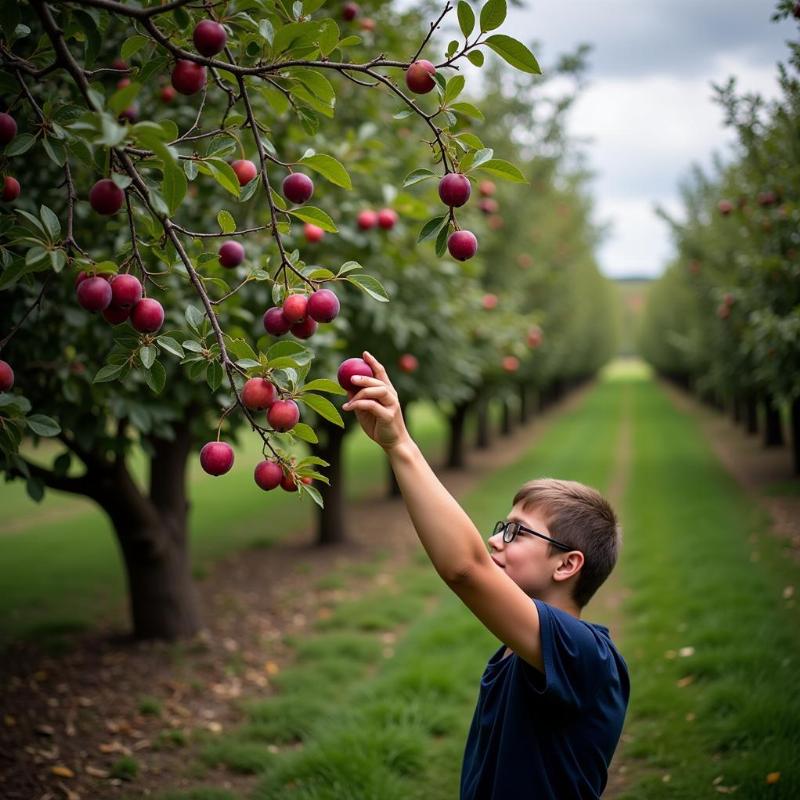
574	659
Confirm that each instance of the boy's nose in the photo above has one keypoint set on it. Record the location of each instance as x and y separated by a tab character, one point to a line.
496	542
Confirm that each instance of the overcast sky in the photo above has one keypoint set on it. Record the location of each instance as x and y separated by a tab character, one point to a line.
647	109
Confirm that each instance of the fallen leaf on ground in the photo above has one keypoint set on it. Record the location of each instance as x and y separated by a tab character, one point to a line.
96	772
773	777
62	771
788	592
685	681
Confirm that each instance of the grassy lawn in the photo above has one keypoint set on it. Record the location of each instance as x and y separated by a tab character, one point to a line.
394	673
712	644
61	568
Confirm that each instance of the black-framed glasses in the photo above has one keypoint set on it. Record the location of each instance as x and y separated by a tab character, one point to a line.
510	530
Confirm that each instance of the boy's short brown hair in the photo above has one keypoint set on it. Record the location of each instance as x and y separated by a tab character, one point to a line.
581	518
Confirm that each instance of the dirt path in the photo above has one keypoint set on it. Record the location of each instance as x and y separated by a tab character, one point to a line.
67	719
606	606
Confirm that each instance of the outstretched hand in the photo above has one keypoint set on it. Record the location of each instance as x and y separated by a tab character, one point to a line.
377	407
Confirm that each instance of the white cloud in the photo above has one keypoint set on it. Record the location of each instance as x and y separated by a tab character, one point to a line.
644	134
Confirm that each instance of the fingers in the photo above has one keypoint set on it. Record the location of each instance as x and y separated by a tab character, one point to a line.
381	393
372	407
377	367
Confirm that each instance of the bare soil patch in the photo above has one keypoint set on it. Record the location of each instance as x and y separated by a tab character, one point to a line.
67	719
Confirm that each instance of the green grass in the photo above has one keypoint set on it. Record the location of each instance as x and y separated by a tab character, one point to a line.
696	584
359	716
61	566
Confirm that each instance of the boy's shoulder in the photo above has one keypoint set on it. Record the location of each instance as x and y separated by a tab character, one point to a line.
578	652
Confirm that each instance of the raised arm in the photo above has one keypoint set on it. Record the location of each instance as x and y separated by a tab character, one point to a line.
448	535
453	543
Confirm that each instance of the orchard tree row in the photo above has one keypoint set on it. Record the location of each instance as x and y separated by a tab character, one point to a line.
168	285
725	317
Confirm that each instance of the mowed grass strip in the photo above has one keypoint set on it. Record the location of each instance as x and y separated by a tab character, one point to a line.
712	644
61	566
378	701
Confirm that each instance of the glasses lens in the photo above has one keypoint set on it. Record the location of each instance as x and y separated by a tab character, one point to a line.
497	528
510	532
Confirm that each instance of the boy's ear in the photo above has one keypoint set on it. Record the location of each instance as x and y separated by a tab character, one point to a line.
569	564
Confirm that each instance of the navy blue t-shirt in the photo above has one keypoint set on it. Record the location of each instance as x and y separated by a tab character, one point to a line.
551	735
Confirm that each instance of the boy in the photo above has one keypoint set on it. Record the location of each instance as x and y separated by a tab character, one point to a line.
553	697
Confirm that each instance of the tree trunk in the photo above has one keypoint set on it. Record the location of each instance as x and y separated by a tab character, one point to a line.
751	414
152	537
736	409
391	479
796	434
482	434
773	430
455	445
524	403
506	423
331	527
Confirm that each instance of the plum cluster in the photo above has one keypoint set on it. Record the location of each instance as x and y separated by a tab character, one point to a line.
301	314
119	299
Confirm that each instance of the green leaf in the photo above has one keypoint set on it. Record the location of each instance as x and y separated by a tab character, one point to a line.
287	348
466	17
323	407
317	83
431	227
305	432
227	224
156	377
454	88
171	346
55	150
58	258
475	58
503	169
122	98
214	375
148	356
471	140
371	286
51	222
35	489
320	274
241	349
266	30
132	45
21	143
43	425
348	266
418	175
300	92
329	168
173	186
324	385
108	373
441	241
328	36
195	318
311	491
316	216
224	175
468	110
515	53
492	15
